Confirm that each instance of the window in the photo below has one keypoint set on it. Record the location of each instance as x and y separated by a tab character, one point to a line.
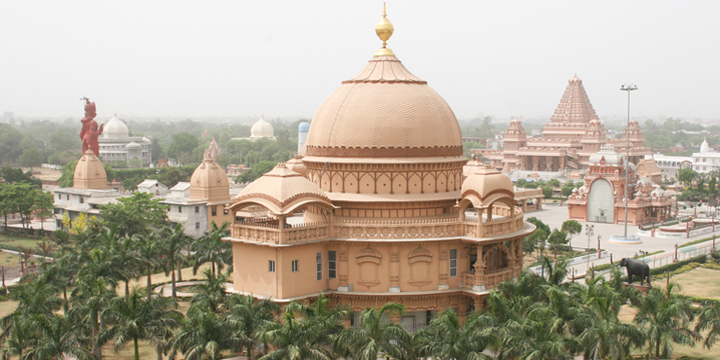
197	209
59	197
453	262
214	210
318	266
226	211
294	266
271	266
197	226
179	208
82	200
67	197
332	264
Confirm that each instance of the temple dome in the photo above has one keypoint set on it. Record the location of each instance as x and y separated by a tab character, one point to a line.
486	186
281	191
90	173
209	181
384	111
704	147
262	129
133	145
611	156
297	165
115	128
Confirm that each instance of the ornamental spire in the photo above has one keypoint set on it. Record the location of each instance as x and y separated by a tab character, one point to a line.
384	30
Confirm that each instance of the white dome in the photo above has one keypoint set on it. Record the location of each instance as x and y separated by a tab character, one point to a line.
658	192
133	145
115	128
262	129
611	156
704	147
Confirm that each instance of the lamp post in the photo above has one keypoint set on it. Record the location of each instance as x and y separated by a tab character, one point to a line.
589	231
599	237
628	88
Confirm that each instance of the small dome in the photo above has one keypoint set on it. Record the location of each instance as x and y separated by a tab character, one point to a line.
146	140
90	173
645	181
133	145
704	147
115	128
209	181
262	129
611	156
297	165
486	186
658	192
304	126
281	191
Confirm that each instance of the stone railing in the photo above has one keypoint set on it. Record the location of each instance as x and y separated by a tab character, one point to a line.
505	225
377	229
468	280
271	233
493	279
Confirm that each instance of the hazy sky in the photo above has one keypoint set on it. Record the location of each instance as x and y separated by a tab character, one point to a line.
284	58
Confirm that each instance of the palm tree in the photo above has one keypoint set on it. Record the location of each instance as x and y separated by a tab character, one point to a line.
210	294
376	335
59	338
212	249
204	335
247	316
709	318
148	248
294	337
173	244
601	334
538	335
446	339
140	318
18	335
665	319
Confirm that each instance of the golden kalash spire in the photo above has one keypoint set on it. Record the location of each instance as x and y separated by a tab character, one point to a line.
384	30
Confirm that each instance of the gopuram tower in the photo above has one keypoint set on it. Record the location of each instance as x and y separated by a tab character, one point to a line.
382	213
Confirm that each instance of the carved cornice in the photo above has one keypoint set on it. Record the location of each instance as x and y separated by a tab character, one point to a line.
383	152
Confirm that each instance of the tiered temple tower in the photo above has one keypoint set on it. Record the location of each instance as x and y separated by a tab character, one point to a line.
386	215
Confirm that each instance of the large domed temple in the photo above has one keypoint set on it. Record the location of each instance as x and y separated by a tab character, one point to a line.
378	208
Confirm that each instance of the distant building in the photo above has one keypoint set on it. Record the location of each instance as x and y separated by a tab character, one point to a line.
601	199
152	187
670	165
303	129
706	160
260	129
8	116
117	144
573	134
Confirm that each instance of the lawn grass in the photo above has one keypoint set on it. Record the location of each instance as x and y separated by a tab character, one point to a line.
13	240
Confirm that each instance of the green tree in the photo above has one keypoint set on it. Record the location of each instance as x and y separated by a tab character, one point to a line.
247	316
209	294
140	318
175	240
293	337
204	335
446	339
709	319
571	228
137	214
31	158
44	206
375	335
120	164
135	163
59	338
556	239
547	192
148	248
182	147
687	175
211	249
555	183
665	319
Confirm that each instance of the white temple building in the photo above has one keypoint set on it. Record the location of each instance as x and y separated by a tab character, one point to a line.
260	129
117	144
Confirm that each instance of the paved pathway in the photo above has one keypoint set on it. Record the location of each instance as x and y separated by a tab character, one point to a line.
554	215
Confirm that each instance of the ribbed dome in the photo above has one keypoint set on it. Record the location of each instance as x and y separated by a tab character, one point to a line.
209	181
133	145
115	128
90	173
384	111
485	181
262	129
611	156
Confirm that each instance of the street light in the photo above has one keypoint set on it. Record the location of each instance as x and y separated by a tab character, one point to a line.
628	88
589	231
599	237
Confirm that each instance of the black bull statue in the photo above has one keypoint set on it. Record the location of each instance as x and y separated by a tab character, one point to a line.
636	267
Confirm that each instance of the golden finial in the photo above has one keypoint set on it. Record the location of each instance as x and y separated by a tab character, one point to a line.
384	30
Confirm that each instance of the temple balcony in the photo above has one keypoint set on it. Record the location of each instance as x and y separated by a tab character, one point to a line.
270	231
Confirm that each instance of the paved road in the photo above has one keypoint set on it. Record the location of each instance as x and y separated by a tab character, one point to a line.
554	215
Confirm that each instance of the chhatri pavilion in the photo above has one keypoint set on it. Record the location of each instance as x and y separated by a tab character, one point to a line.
378	209
572	136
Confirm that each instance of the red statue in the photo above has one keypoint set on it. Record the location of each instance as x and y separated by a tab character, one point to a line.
90	131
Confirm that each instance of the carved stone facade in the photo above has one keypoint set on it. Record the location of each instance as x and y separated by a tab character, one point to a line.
573	134
383	211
